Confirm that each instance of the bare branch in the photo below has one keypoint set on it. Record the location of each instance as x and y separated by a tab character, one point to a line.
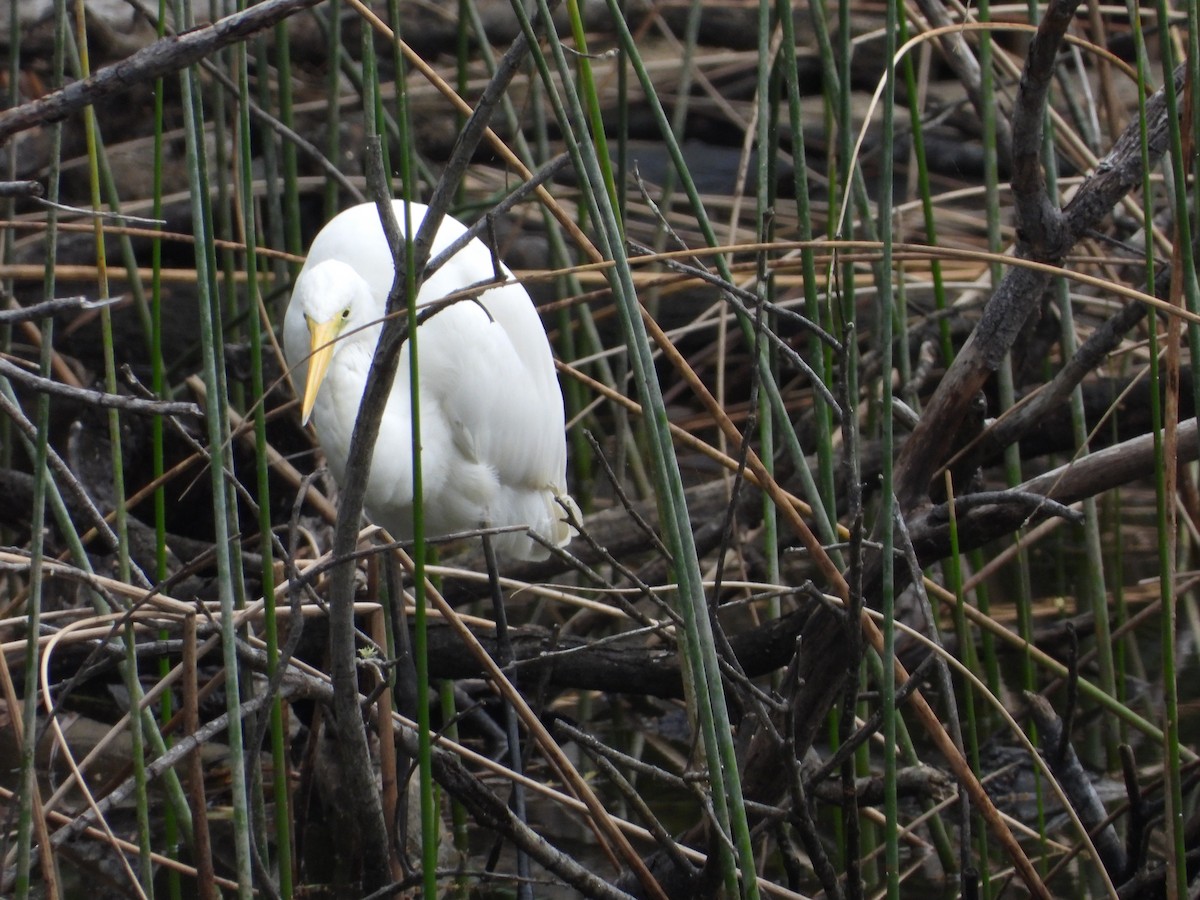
1088	477
1039	220
1015	297
50	308
21	189
97	398
160	58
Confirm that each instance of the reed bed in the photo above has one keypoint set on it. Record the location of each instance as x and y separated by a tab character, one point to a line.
874	326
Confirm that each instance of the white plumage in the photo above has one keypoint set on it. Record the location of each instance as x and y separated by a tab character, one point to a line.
493	442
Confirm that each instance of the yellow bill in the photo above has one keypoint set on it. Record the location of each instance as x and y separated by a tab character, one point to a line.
322	335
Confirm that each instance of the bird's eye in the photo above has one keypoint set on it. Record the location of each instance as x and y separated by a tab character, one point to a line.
345	314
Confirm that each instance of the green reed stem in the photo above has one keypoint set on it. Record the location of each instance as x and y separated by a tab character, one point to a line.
1180	193
137	741
216	422
27	783
887	446
253	300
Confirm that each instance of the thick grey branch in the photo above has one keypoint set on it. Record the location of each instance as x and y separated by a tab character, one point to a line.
1039	221
21	189
352	738
50	308
1088	477
97	398
1120	171
1015	296
161	58
1023	418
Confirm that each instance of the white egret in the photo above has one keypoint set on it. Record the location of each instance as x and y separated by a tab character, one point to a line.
492	436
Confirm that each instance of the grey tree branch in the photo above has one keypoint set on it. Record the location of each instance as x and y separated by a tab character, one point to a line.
50	308
1039	220
1021	419
170	54
1099	471
21	189
1065	764
1015	297
361	793
97	398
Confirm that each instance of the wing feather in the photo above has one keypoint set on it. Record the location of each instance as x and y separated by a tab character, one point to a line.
486	374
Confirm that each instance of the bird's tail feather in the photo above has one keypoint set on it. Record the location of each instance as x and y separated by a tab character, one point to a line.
546	513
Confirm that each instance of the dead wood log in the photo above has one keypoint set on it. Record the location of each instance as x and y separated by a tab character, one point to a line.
631	667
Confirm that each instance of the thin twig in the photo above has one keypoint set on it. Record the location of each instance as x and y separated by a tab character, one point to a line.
51	308
97	398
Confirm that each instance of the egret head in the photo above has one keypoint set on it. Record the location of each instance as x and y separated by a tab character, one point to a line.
338	310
